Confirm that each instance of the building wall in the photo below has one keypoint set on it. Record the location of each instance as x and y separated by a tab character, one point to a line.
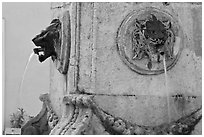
22	22
125	93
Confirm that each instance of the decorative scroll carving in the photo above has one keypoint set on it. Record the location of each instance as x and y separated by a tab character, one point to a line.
118	126
52	119
48	40
43	122
78	114
77	118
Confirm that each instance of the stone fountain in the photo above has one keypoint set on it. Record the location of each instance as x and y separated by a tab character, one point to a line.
107	72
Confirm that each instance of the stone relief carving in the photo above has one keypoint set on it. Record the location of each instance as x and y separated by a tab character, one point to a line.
52	119
43	122
80	109
77	118
145	37
152	39
118	126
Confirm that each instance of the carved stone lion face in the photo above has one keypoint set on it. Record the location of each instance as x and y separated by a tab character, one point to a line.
148	37
47	40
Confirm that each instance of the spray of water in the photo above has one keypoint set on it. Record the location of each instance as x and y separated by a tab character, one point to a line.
23	76
167	89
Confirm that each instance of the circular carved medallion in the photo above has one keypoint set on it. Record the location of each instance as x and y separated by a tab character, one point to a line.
146	37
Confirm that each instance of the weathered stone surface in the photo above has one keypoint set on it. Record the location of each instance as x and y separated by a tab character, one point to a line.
102	72
198	129
80	122
147	110
57	89
96	127
110	71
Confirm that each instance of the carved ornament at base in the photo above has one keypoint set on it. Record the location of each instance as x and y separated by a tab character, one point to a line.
43	122
78	115
82	107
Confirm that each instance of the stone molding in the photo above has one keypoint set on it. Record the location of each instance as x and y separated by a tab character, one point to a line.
77	116
78	123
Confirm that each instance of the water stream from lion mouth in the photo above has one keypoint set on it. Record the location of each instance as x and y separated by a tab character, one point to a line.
22	80
167	89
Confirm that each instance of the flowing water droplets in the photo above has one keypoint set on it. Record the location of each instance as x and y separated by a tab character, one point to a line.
167	89
23	76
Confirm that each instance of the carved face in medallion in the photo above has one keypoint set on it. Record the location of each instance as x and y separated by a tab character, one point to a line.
145	37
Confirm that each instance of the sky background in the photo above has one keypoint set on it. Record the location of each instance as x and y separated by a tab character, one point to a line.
22	22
